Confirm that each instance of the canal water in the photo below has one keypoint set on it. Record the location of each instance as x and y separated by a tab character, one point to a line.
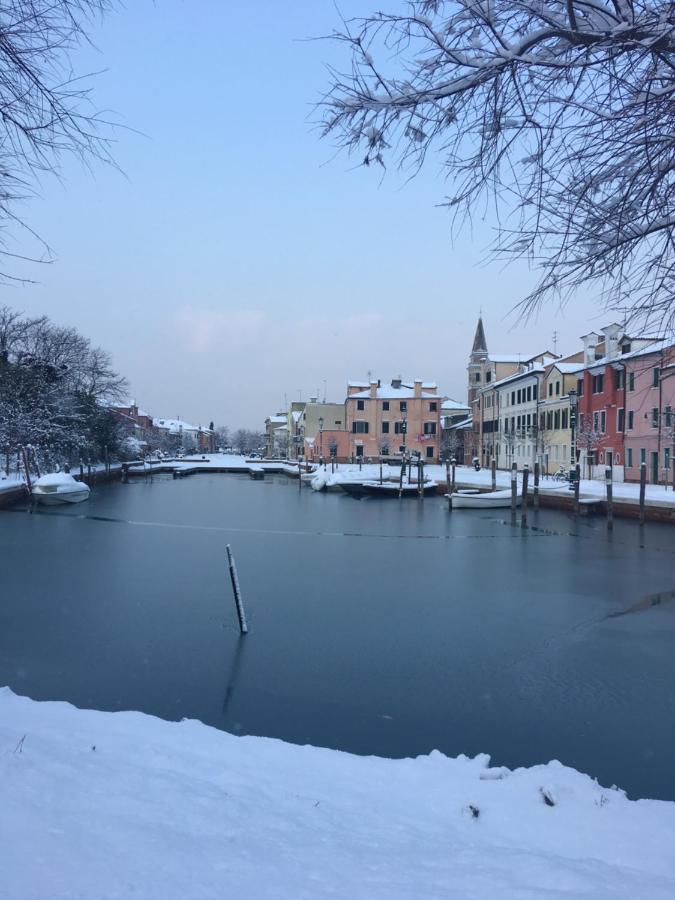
376	626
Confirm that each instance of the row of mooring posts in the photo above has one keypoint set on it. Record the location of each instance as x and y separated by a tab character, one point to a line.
609	492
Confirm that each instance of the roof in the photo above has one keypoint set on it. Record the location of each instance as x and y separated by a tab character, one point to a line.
534	370
512	357
479	342
568	368
366	384
176	425
296	415
453	404
387	392
656	347
465	423
275	419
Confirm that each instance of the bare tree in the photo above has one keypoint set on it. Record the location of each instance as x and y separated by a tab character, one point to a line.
588	439
45	107
560	114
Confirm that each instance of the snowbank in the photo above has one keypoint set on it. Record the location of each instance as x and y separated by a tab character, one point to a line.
125	805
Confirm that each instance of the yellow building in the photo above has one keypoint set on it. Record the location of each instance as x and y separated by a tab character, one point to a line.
555	433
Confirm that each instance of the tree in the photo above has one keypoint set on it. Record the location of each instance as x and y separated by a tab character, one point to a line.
222	433
45	107
559	114
588	438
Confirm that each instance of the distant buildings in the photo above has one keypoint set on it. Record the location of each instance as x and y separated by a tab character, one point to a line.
153	432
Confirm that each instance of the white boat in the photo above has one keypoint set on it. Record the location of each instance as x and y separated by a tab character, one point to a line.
487	500
59	488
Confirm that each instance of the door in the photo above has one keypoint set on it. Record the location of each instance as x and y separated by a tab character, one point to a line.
654	466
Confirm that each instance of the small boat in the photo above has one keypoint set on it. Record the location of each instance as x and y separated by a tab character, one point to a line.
486	500
388	488
256	474
59	487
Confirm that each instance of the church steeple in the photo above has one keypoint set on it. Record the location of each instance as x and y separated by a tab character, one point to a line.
479	343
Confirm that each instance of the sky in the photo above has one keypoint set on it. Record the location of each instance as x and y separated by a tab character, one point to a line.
234	262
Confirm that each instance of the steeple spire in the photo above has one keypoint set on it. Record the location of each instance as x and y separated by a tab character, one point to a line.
479	342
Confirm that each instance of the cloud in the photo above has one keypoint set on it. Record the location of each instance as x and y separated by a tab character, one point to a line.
205	329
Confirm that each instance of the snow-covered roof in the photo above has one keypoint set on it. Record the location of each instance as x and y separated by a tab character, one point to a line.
568	368
277	419
387	392
451	404
511	357
175	426
533	370
656	347
458	426
296	415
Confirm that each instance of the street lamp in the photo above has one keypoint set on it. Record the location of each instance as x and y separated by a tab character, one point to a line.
574	406
320	440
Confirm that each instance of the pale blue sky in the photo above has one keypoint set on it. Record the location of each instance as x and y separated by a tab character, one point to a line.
236	261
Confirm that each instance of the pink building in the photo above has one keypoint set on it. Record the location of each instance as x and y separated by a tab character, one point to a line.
382	420
650	412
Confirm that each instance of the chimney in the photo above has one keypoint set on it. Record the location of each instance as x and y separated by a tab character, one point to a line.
590	343
418	388
612	333
396	382
373	390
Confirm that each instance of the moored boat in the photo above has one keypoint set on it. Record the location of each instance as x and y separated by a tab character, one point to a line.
486	500
59	487
388	488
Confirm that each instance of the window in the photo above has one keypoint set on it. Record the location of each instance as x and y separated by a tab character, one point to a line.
360	404
488	376
631	416
598	384
655	416
619	379
549	421
513	398
338	421
477	377
430	452
433	406
384	450
557	388
385	405
550	389
359	449
385	428
655	376
520	393
556	419
620	420
603	421
666	458
596	421
668	416
529	393
564	423
631	381
580	387
403	406
430	428
359	428
629	457
643	456
399	428
534	392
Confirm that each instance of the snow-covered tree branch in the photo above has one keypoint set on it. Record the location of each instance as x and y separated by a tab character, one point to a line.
560	113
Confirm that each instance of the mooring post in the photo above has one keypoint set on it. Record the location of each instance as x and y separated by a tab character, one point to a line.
26	467
526	476
610	504
243	627
380	470
447	475
454	463
514	491
400	478
420	478
643	484
536	486
81	470
493	471
577	482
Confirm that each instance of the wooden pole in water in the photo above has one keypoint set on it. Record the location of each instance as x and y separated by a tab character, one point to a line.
493	470
643	484
577	484
420	478
536	486
243	627
514	491
26	469
526	476
454	463
610	503
447	475
400	478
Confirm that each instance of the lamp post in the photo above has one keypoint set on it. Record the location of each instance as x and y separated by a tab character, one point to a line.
320	440
574	406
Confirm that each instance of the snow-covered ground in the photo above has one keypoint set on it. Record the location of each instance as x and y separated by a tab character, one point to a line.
121	805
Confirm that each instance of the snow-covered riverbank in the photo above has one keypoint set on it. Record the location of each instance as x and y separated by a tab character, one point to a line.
125	805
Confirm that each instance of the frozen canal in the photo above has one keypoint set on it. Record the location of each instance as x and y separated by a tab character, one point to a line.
376	626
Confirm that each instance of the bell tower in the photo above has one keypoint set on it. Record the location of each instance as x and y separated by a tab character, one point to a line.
477	361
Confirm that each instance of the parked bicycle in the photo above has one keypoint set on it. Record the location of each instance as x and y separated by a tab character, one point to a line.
561	475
